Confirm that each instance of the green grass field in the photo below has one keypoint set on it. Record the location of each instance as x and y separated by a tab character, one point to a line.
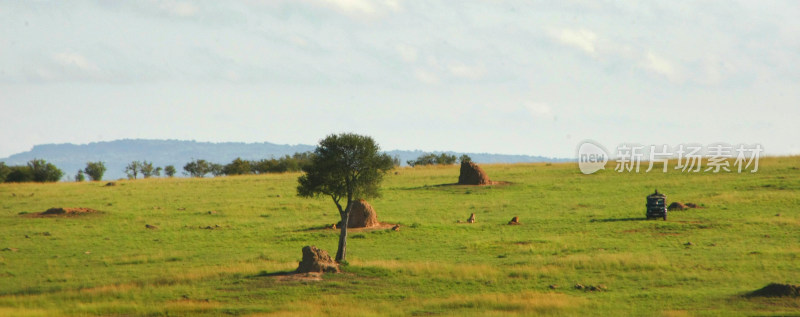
576	229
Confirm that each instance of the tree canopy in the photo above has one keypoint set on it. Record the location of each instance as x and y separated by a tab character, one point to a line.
169	170
133	169
95	170
148	170
197	168
44	172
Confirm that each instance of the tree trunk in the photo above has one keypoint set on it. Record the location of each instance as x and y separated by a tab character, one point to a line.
342	251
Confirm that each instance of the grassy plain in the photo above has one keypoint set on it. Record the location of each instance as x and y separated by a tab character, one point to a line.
576	229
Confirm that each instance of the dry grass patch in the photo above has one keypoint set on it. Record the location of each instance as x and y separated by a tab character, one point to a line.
112	288
26	312
439	269
334	305
526	303
615	261
675	313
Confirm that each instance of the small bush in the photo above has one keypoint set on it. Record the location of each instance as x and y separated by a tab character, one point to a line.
95	170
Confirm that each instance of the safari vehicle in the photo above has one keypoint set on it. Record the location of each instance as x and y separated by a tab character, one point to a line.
656	206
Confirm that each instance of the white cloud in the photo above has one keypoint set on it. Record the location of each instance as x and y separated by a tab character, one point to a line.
69	65
393	5
539	110
177	8
353	6
75	61
299	41
44	73
407	53
426	76
661	66
715	69
658	64
580	38
362	7
464	71
232	75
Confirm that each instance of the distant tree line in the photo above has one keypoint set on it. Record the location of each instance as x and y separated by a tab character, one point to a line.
38	170
441	159
133	169
35	170
239	166
41	171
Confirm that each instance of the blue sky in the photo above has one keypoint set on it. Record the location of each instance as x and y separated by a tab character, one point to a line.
514	77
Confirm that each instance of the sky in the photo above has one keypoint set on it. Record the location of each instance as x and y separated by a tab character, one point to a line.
511	77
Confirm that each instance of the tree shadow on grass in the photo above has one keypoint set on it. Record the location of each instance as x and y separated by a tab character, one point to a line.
336	230
290	276
431	186
618	219
493	183
318	228
268	274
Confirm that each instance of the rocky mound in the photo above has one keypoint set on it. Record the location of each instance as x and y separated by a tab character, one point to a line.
64	212
681	206
316	260
777	290
472	174
362	215
676	206
592	288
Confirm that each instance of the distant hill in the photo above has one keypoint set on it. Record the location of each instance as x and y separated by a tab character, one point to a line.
117	154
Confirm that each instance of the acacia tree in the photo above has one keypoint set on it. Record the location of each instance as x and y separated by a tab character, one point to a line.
344	167
149	170
197	168
95	170
44	172
237	167
169	170
133	169
215	169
